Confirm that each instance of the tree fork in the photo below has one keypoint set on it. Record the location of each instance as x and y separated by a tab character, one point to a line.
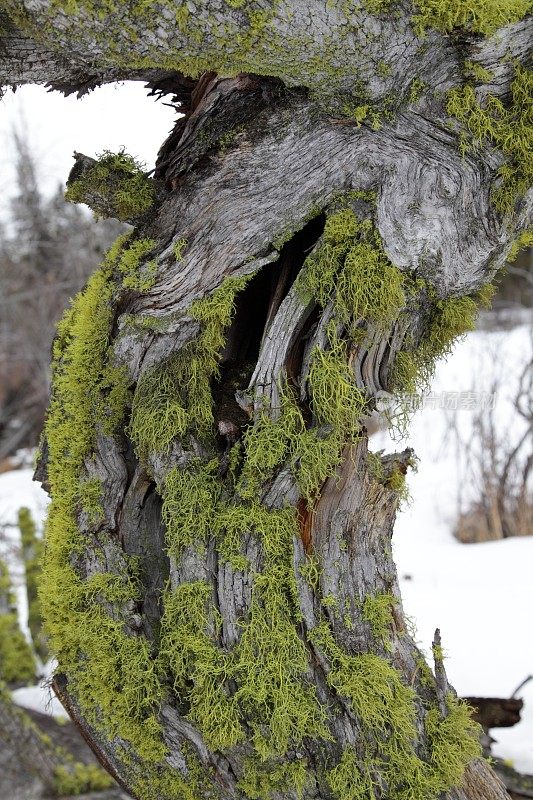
219	587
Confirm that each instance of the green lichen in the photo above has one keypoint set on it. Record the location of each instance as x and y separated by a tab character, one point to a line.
378	611
351	267
179	248
449	320
478	72
90	495
525	239
264	783
335	399
330	601
199	669
114	186
348	780
507	126
479	16
454	741
110	671
190	497
387	710
165	782
313	454
271	660
416	90
136	275
311	571
269	663
375	466
176	396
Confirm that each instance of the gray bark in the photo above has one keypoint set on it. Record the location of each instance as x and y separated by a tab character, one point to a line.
290	155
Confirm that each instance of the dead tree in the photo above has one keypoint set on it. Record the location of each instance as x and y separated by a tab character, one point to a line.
323	221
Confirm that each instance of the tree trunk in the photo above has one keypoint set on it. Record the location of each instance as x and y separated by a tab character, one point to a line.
219	584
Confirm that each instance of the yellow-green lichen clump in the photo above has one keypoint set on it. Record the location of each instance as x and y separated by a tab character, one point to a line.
479	16
257	691
507	125
115	185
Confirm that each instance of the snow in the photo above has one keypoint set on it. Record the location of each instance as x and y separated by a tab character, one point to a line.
480	596
40	698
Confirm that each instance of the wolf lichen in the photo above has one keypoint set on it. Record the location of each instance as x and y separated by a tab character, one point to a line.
260	782
114	186
350	266
179	248
271	660
480	16
454	741
448	321
507	126
387	710
350	780
111	672
176	395
478	72
525	239
335	399
377	611
199	669
136	275
190	497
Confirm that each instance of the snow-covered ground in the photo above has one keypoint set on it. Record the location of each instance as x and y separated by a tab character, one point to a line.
480	596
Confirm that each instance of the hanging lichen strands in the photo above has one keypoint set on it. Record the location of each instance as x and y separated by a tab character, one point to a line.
261	684
505	124
92	648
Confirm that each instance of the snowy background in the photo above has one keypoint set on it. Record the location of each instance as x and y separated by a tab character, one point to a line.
481	595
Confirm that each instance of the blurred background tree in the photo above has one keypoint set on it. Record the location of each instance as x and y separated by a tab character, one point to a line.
48	248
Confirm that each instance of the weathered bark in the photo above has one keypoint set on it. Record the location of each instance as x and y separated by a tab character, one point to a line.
252	172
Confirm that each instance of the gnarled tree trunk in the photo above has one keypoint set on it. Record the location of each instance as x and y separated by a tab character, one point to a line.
219	586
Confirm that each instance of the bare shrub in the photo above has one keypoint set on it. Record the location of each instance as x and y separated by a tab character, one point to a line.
498	468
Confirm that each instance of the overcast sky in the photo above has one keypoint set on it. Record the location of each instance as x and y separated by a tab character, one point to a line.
110	117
